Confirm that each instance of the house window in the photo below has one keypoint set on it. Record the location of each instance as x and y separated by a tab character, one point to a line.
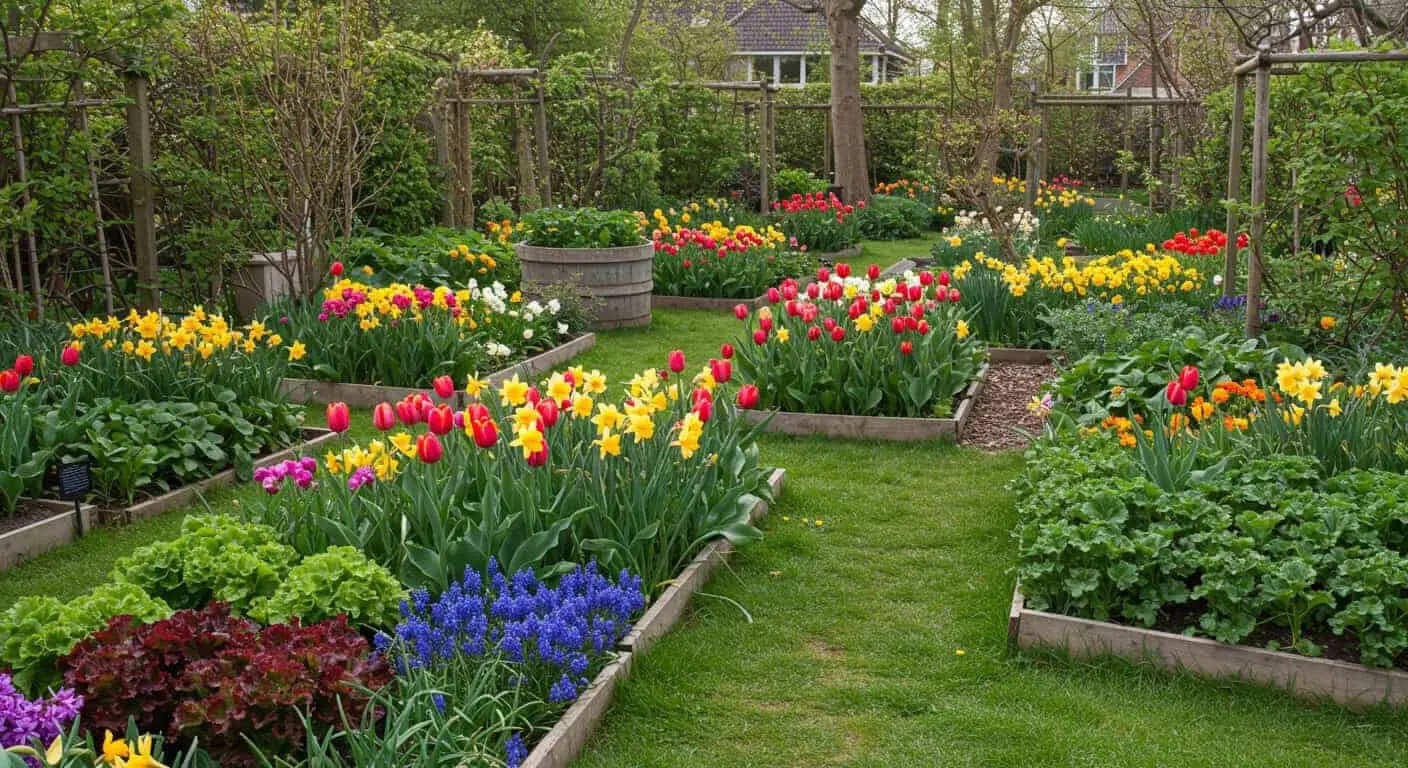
818	69
789	70
759	67
1099	77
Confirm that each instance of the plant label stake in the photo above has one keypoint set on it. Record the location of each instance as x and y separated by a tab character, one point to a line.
75	481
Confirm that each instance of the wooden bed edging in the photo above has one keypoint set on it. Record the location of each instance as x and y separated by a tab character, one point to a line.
368	395
313	437
57	530
893	428
1351	685
564	743
1023	356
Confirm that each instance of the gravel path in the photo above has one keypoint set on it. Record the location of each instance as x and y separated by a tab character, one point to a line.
1003	406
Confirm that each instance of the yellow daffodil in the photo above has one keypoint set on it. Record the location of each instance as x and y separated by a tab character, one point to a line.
610	444
530	440
114	749
513	392
607	418
474	386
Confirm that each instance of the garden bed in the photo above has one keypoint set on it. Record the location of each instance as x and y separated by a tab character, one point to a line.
369	395
716	304
41	526
563	744
895	428
313	437
1024	356
830	258
1345	683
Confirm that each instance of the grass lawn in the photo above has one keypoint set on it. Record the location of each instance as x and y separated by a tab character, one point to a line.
853	656
887	252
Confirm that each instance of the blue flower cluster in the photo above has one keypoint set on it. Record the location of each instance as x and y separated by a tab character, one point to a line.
1238	304
552	631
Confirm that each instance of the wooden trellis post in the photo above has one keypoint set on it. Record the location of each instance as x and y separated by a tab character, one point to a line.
540	126
1261	128
1234	184
139	139
765	125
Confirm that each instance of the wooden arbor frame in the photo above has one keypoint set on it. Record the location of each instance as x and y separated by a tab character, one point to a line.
1261	66
137	112
1126	101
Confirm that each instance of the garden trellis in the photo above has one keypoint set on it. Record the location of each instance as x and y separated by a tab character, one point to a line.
25	251
1262	66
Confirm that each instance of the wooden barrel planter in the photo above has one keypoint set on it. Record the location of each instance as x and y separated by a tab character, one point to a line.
615	281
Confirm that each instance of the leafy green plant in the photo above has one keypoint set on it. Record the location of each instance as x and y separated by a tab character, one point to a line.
581	228
892	218
795	181
433	256
340	581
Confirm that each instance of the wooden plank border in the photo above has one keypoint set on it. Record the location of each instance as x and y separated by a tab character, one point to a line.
669	608
894	428
712	304
58	530
313	438
368	395
564	743
1024	356
1350	685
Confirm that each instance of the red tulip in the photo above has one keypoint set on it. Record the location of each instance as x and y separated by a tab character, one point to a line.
844	270
338	417
534	396
740	311
922	327
774	296
406	411
337	269
944	278
828	323
69	356
383	417
813	333
547	409
748	397
897	325
823	274
444	386
838	333
722	370
906	348
699	395
486	432
428	448
873	271
926	278
9	380
954	296
727	351
677	361
813	290
477	412
539	457
24	365
1188	378
441	420
760	337
704	409
765	323
1176	395
914	292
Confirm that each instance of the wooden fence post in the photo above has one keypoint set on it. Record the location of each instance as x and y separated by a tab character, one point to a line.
1234	184
439	126
1038	137
765	111
540	127
139	142
1261	128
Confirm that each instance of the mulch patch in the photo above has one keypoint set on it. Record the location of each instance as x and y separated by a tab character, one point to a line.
1002	410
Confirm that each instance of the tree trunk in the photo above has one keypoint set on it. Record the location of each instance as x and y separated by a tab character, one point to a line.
847	120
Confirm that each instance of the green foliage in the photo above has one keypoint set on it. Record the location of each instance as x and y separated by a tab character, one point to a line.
892	218
37	630
430	257
795	181
1096	328
216	557
1106	233
581	228
341	580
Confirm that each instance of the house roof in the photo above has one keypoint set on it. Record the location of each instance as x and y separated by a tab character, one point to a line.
776	26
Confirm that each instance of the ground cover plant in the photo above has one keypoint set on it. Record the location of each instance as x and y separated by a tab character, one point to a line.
860	346
1244	508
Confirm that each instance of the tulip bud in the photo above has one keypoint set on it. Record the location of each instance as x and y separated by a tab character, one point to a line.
823	274
828	323
813	290
534	396
843	270
548	410
906	348
873	271
1175	394
813	333
914	292
69	356
954	296
441	420
765	323
748	397
922	327
727	351
1188	378
383	417
406	411
338	417
336	269
944	278
760	337
774	296
722	370
740	311
704	409
677	361
444	386
838	333
897	325
9	380
428	448
24	365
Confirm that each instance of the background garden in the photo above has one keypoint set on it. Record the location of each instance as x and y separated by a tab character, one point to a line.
377	386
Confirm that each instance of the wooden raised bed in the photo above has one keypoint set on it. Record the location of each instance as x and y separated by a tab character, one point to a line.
1024	356
368	395
563	744
313	438
894	428
710	303
831	257
58	530
1350	685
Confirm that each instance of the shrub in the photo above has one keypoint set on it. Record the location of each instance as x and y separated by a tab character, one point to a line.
892	218
340	581
580	228
790	182
37	629
852	346
206	675
216	557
